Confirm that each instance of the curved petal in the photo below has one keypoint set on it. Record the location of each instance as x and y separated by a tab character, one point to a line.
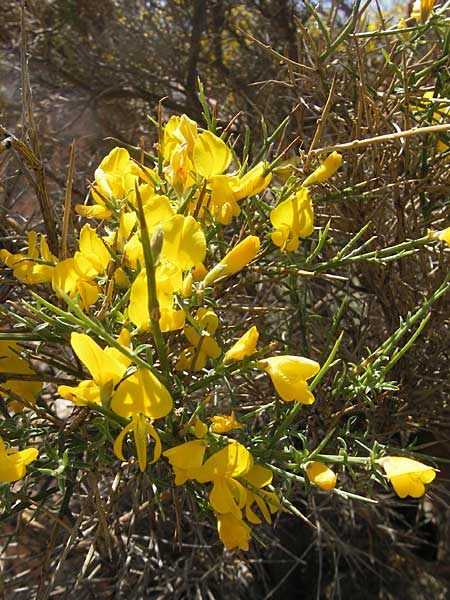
118	442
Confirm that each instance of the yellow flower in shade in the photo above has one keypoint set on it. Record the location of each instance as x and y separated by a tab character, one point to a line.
245	346
144	398
106	365
13	462
233	531
267	502
289	375
211	156
325	170
224	423
203	345
222	469
292	218
12	362
31	267
200	429
235	260
408	477
186	460
321	475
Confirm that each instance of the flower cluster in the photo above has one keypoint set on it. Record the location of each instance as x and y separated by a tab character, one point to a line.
141	287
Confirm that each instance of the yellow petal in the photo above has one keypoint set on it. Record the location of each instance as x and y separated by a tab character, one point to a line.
321	475
102	367
232	461
84	393
211	156
143	393
245	346
233	531
326	170
118	442
235	260
184	242
186	459
252	182
289	374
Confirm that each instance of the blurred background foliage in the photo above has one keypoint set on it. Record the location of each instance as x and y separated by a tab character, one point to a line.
98	69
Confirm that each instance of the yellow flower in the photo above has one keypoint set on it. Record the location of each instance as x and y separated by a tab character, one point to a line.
107	367
235	260
321	475
77	275
289	375
325	170
233	531
31	267
293	218
406	475
222	468
144	398
186	460
224	423
228	190
203	345
114	180
245	346
12	362
200	428
13	462
267	502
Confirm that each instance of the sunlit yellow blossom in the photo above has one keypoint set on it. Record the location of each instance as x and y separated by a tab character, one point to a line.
325	170
406	475
267	502
235	260
13	462
12	362
186	460
293	218
144	398
233	531
321	475
107	366
222	469
224	423
200	428
211	156
289	375
31	267
77	275
245	346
